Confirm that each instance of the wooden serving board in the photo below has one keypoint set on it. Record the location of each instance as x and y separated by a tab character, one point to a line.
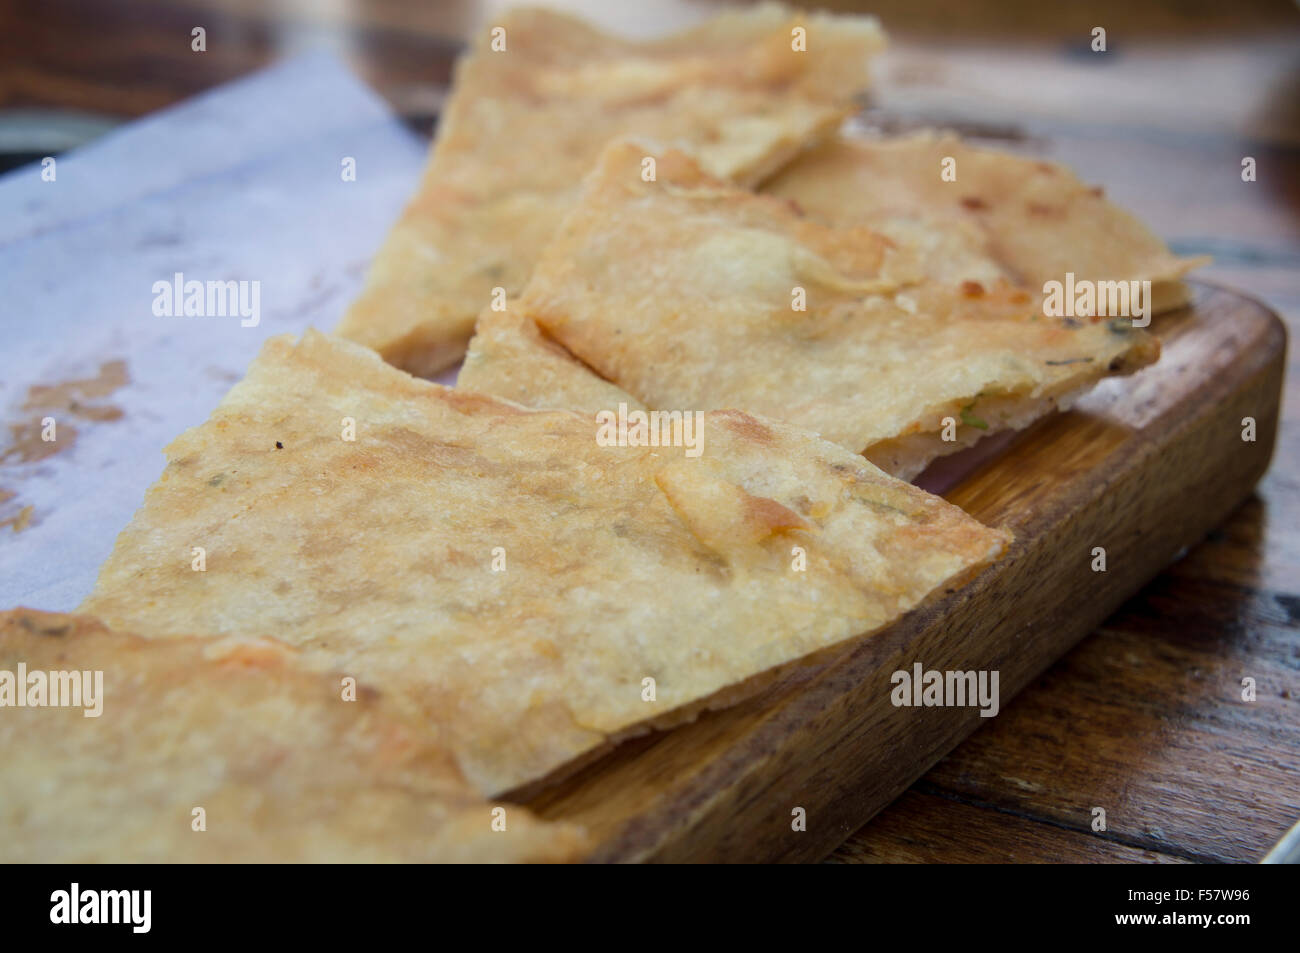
1144	467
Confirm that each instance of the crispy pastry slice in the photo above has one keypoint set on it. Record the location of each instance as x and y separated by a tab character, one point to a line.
516	577
525	123
687	292
283	768
509	357
1041	221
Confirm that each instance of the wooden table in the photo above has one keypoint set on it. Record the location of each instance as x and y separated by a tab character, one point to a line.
1145	716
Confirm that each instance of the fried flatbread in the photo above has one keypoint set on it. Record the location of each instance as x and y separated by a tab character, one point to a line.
685	292
284	769
516	576
1041	221
509	357
524	125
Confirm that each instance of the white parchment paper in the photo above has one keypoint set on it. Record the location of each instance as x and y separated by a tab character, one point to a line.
244	184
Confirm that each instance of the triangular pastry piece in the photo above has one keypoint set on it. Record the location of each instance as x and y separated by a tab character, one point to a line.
534	101
903	342
510	357
1040	221
534	585
121	749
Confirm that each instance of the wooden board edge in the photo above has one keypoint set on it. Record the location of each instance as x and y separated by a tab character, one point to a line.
732	809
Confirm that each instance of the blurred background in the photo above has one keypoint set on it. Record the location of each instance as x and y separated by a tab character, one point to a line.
1186	66
1185	90
1162	118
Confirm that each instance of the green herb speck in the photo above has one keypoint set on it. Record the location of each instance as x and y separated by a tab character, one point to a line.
970	420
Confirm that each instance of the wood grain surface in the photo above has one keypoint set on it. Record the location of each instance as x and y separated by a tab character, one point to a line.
1135	715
